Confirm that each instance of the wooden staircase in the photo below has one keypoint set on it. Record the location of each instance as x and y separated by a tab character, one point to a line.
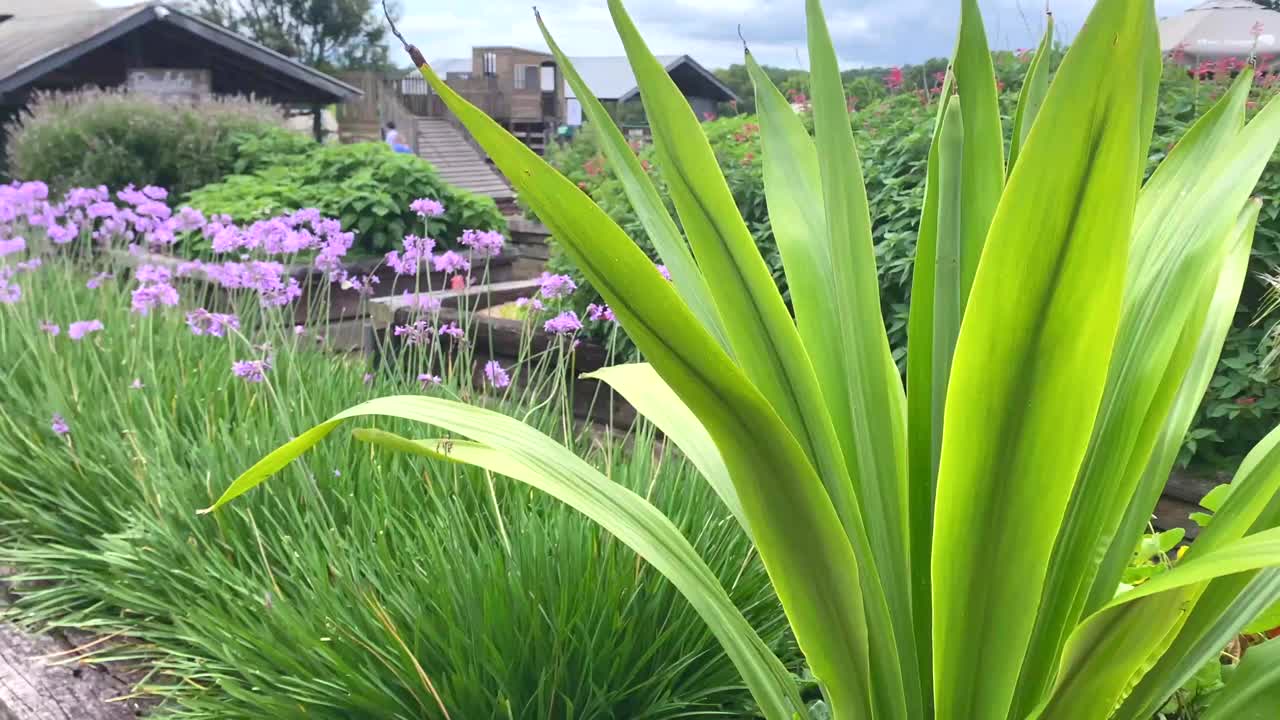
458	161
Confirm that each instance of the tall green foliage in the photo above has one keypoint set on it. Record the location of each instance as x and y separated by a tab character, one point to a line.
1085	298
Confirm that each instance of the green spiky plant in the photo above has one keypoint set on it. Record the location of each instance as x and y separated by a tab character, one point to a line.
952	549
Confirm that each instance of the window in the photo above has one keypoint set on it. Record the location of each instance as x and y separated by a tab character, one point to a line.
526	77
490	64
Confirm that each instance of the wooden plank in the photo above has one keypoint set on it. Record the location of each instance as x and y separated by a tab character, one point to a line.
32	688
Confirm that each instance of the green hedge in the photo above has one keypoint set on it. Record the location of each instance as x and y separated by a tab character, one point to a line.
893	137
92	137
367	186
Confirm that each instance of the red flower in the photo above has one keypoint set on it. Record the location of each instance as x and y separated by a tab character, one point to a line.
1246	401
457	282
894	79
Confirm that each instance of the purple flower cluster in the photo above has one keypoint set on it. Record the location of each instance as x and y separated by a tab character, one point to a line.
13	246
251	371
203	322
533	303
416	252
565	323
483	243
427	208
600	313
451	262
79	329
496	375
10	292
285	236
556	286
416	333
58	425
429	380
153	289
265	278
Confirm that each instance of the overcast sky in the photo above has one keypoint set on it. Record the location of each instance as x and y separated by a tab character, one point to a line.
866	32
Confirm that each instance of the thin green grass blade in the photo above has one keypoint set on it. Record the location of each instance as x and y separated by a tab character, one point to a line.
1186	222
794	524
924	433
1031	363
1113	644
793	191
983	135
534	458
1253	690
645	200
1034	87
656	401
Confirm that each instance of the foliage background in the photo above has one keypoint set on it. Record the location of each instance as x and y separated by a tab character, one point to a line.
893	134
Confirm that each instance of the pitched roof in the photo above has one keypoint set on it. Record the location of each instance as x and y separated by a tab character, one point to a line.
610	78
33	45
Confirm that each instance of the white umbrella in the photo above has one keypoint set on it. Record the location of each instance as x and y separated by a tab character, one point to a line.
1221	29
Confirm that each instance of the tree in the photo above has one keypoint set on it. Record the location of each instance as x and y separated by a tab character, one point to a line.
325	34
1269	4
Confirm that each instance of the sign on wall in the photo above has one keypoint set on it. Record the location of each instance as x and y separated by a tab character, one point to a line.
171	83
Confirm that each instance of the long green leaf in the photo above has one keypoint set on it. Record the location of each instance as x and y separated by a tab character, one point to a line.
924	433
983	136
871	419
1185	222
792	519
644	197
1034	87
654	399
793	191
531	457
1031	362
1111	645
1191	389
1253	691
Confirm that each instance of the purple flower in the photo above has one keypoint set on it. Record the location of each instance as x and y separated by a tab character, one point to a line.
188	268
62	234
9	247
533	303
137	384
450	262
416	333
485	244
496	375
155	193
79	329
58	425
428	380
148	297
600	312
252	371
368	378
557	286
564	323
664	272
299	330
203	322
452	330
10	294
422	302
102	209
425	207
29	265
152	274
51	328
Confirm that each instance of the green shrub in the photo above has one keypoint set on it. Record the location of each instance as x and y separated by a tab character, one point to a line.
367	186
93	137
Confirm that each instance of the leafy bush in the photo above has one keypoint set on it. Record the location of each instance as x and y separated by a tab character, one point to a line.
94	137
1243	401
367	186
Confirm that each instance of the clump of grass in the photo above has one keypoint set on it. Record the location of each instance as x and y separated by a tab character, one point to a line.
364	585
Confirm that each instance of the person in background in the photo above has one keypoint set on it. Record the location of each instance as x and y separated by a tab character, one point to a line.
393	139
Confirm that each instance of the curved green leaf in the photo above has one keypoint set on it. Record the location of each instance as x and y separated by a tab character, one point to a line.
795	526
645	200
654	399
531	457
1031	362
1034	87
